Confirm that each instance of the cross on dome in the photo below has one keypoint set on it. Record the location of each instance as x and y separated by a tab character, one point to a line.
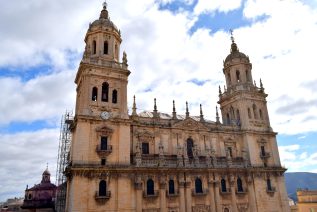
104	4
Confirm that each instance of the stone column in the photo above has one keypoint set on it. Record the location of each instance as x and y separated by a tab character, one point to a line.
251	195
212	196
182	196
139	195
163	207
217	196
188	197
233	198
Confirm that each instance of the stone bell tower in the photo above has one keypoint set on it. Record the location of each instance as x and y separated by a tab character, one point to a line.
101	128
242	103
101	79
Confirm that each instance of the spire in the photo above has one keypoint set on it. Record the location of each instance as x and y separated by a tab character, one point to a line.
234	47
155	115
104	11
187	112
134	107
201	114
217	115
174	110
261	85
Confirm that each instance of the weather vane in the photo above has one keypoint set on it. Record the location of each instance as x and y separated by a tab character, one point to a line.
232	38
105	4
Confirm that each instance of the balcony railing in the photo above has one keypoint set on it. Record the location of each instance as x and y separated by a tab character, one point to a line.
243	191
227	191
102	152
264	155
175	194
154	195
103	197
203	193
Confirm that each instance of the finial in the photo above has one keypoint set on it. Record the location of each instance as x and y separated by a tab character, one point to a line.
232	38
134	107
174	110
201	113
187	112
104	11
254	83
104	4
261	84
224	88
217	115
46	166
155	107
220	91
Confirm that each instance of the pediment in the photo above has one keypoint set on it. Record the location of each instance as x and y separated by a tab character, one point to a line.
105	130
190	124
145	135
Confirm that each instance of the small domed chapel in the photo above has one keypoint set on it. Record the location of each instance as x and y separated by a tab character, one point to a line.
158	162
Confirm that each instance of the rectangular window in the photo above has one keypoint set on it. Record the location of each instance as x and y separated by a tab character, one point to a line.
145	148
104	143
262	150
103	162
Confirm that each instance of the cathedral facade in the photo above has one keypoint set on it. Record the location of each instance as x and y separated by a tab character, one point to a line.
152	161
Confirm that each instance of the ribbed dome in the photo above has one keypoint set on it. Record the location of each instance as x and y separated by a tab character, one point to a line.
46	172
103	20
235	53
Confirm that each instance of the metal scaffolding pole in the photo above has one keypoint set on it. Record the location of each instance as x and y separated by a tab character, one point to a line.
65	139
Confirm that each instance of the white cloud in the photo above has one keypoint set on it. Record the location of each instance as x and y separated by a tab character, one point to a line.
204	6
23	158
42	98
295	160
163	58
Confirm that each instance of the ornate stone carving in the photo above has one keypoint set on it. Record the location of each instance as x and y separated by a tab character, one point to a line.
104	130
190	124
201	208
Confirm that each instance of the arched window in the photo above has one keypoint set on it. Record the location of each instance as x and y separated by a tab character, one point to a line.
198	186
94	94
171	188
94	47
114	96
103	143
239	185
105	47
261	115
150	187
105	92
268	184
255	112
226	210
228	118
249	113
102	188
238	75
190	145
223	185
263	151
229	149
30	196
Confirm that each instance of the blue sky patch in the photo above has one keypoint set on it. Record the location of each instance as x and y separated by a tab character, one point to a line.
218	21
17	127
178	6
198	82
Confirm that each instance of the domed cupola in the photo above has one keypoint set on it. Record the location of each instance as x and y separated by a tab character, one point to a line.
102	39
46	176
237	68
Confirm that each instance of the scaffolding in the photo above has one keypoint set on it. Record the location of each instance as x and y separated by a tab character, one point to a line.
65	139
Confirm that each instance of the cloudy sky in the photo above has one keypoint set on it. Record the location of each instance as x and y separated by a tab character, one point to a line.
175	48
